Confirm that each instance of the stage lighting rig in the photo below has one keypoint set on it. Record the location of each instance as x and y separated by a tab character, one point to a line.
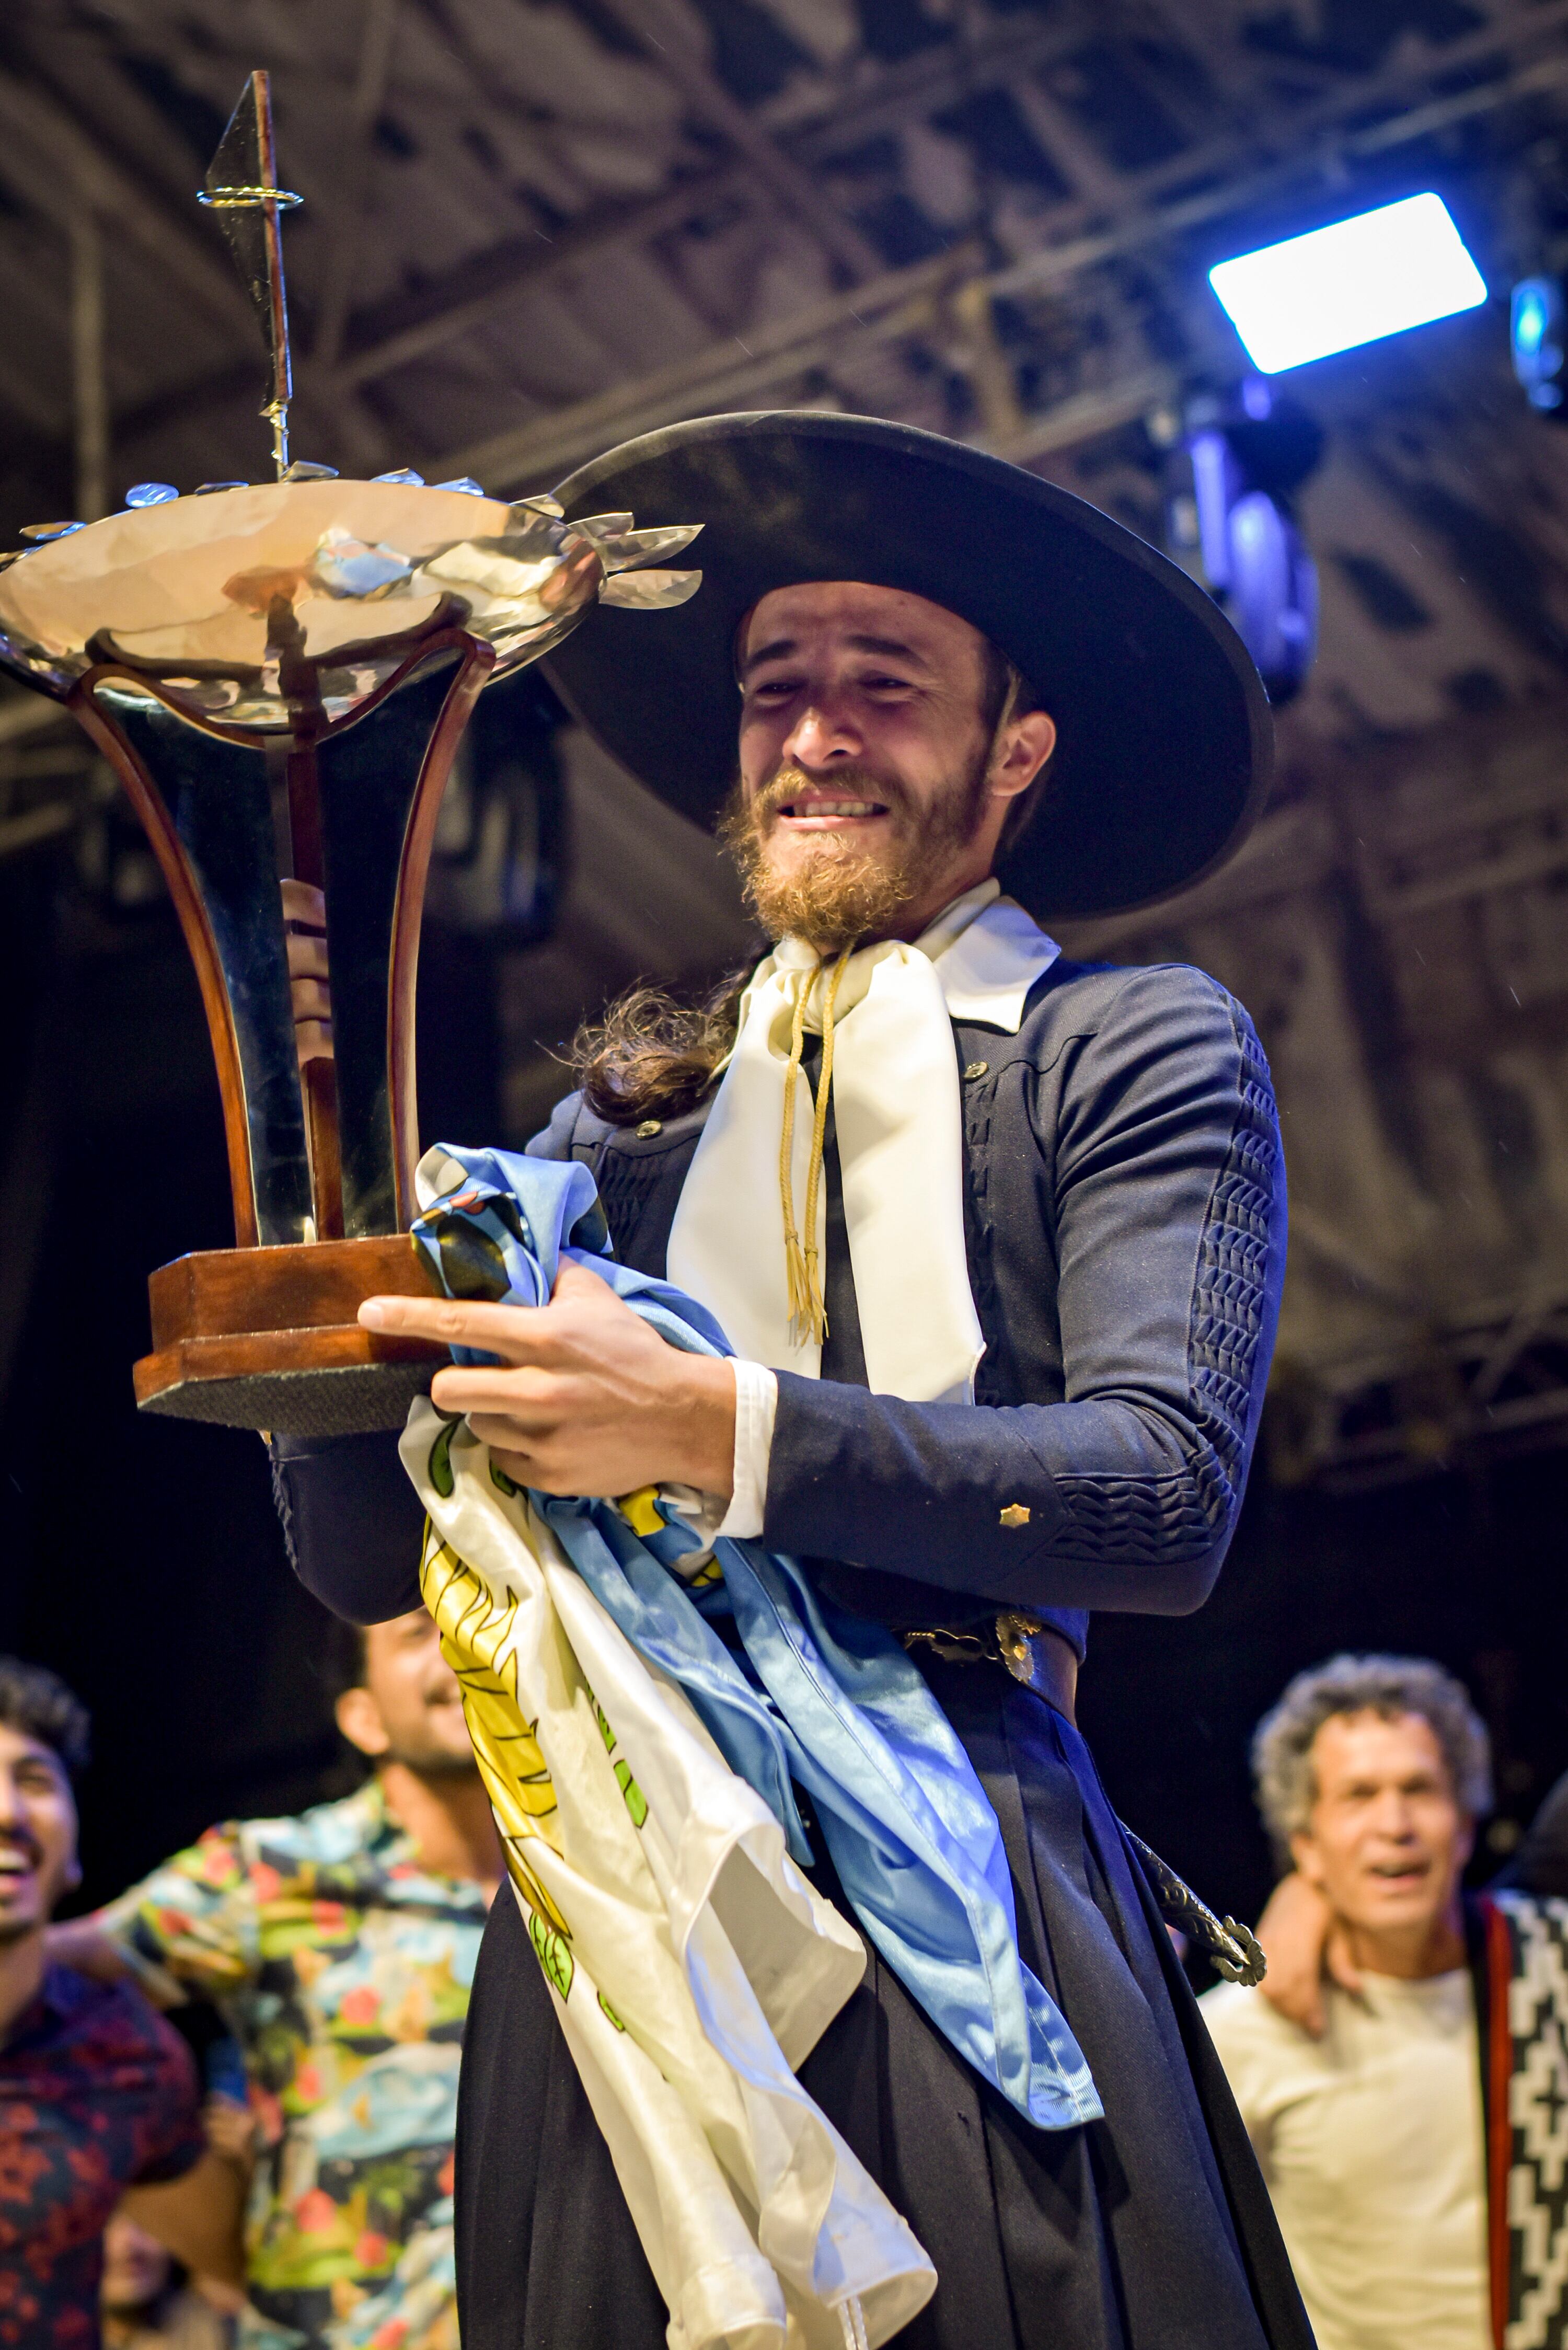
1233	466
1539	332
1355	281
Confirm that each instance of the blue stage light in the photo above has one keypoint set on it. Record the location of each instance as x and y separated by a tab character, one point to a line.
1539	337
1353	282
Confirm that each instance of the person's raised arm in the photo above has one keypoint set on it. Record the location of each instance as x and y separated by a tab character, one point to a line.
351	1520
200	2215
1303	1948
188	1931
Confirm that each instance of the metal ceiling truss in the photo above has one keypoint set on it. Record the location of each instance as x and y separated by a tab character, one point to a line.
1278	121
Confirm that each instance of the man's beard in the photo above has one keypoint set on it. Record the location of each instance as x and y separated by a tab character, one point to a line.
839	893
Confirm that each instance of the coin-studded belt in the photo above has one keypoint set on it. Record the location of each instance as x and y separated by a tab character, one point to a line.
1043	1659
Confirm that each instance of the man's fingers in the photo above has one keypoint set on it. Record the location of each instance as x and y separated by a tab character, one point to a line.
529	1398
1341	1966
575	1284
522	1334
513	1443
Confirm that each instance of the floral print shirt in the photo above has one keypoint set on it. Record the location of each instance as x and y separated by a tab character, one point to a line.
344	1972
97	2093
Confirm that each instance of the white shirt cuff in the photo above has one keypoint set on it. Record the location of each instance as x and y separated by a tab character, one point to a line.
756	1405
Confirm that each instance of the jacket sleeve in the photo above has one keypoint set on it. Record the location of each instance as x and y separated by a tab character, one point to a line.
1168	1206
353	1524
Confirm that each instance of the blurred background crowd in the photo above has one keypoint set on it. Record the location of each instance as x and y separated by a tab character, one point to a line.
533	228
228	2096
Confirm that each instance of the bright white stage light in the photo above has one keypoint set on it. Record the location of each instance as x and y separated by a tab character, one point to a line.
1354	283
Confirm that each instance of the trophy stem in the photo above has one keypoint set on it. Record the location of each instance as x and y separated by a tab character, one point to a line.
473	672
319	1076
303	783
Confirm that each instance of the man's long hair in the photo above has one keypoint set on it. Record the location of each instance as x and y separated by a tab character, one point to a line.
652	1055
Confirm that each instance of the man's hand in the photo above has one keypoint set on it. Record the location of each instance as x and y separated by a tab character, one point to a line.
1301	1942
587	1399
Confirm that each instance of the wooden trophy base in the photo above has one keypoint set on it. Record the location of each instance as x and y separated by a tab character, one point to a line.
267	1338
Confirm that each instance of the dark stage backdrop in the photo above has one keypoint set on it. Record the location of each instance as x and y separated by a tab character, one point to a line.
142	1559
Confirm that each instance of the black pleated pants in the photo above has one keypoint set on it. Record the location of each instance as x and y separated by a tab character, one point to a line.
1151	2229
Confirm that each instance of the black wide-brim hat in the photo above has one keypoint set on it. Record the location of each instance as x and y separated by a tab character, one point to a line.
1164	736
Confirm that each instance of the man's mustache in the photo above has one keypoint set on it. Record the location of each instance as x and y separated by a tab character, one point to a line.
783	787
13	1840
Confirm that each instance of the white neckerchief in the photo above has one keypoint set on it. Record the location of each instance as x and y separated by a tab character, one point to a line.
900	1148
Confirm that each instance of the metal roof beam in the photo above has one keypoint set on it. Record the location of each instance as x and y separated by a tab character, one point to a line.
901	96
901	301
657	26
66	165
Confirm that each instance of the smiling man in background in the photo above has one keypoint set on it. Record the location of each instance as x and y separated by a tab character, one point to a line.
340	1948
99	2095
1372	1772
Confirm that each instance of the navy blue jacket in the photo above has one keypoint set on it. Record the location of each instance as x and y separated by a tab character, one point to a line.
1126	1229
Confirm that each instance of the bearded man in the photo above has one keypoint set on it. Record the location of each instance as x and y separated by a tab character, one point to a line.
998	1239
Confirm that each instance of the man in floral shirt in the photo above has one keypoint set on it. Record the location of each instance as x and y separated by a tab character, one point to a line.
340	1948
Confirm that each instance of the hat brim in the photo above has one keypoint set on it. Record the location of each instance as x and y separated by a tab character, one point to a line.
1164	735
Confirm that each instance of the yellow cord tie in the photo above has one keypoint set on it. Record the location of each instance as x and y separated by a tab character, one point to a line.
807	1310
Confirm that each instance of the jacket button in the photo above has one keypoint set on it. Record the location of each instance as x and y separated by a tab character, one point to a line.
1015	1514
648	1128
976	1068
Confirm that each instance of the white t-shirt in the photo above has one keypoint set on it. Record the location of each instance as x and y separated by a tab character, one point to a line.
1372	2145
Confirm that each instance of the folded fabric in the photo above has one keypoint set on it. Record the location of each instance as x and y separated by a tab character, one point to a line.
692	1966
830	1701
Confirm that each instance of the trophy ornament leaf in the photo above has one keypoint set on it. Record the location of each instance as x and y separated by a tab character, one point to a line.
629	550
602	527
650	591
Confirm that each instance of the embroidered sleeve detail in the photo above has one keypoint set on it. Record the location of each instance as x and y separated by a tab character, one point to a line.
1179	1516
1230	1299
1131	1520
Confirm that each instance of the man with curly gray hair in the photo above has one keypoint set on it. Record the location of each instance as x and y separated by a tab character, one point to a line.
1387	1687
1371	1773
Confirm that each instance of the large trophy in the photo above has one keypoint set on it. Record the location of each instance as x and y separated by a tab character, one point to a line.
280	676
